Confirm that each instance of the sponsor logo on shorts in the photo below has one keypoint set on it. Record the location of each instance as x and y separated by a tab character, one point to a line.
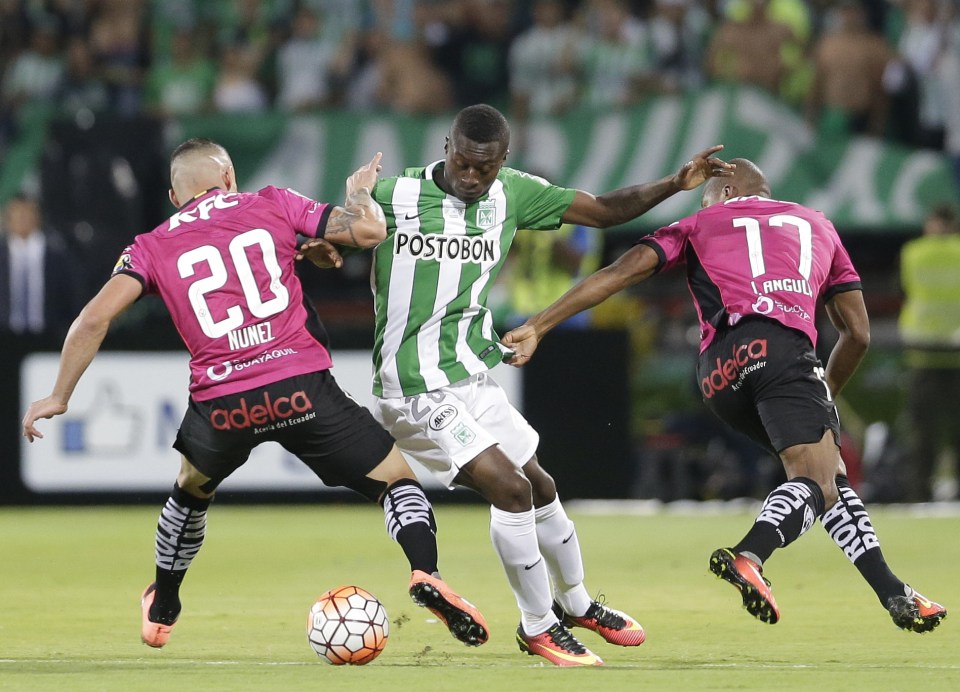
442	417
744	359
265	414
462	434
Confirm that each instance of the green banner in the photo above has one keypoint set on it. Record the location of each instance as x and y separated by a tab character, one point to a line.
862	184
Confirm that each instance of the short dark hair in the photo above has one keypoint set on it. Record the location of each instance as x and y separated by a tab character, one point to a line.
943	212
195	144
482	123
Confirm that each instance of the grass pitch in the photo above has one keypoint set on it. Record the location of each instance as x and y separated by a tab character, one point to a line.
70	581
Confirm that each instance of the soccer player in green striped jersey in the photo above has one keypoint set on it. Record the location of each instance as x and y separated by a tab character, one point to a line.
449	227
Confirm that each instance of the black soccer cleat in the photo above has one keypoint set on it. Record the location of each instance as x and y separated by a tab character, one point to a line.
915	613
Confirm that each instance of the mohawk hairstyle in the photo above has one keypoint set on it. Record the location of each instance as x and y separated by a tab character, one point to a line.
196	144
482	123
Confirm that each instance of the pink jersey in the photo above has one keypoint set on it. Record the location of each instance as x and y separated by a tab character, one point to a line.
756	256
224	266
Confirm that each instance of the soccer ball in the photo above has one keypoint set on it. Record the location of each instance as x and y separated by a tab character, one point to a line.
348	625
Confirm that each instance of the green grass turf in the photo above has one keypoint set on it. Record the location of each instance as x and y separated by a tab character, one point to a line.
70	579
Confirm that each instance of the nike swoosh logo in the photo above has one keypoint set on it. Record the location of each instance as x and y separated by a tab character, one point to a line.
567	539
529	567
410	217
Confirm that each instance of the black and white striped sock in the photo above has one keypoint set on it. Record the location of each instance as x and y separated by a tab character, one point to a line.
410	522
849	525
180	533
787	513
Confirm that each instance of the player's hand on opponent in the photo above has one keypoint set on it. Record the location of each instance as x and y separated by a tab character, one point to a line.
523	341
322	253
43	408
365	176
701	167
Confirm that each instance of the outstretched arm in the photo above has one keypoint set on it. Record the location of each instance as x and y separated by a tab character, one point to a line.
81	345
849	315
360	222
635	265
620	206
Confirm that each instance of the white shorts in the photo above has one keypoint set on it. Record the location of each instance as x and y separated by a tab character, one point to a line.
445	428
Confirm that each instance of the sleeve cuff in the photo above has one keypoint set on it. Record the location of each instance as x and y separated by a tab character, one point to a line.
842	288
322	222
655	246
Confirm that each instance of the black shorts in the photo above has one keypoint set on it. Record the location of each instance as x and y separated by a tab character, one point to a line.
309	415
764	380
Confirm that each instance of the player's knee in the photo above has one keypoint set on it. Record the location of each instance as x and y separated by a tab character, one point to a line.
512	493
542	485
831	494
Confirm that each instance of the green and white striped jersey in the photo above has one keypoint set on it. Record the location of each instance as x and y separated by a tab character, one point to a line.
433	273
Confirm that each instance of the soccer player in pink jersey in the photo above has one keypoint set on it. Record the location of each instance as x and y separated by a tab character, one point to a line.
224	266
755	268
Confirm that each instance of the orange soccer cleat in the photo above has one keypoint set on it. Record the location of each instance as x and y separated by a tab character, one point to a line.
152	633
747	576
459	615
614	626
915	613
559	646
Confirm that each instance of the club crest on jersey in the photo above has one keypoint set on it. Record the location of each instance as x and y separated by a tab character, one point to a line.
487	214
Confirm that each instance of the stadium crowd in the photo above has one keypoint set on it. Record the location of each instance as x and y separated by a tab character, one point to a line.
884	67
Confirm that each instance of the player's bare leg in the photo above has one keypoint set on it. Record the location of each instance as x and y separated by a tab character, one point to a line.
410	522
558	542
513	532
180	533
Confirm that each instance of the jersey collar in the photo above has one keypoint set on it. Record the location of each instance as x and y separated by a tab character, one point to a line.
198	196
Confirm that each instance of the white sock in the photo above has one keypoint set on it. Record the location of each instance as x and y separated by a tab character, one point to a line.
558	542
514	537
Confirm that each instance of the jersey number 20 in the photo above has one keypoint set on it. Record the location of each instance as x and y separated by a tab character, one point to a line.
257	238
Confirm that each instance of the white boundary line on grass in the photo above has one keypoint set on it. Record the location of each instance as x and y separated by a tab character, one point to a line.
695	508
617	666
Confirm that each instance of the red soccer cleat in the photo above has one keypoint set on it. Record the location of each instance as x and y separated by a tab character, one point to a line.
152	633
558	646
915	613
615	626
747	576
459	615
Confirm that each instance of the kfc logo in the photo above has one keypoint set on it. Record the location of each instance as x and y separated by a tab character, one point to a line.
732	371
275	411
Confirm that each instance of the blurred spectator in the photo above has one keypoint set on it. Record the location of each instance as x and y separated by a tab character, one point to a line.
922	45
616	57
750	50
795	16
542	63
410	82
473	49
35	74
237	89
118	41
678	30
948	71
39	290
14	30
930	331
307	64
183	83
848	94
82	89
